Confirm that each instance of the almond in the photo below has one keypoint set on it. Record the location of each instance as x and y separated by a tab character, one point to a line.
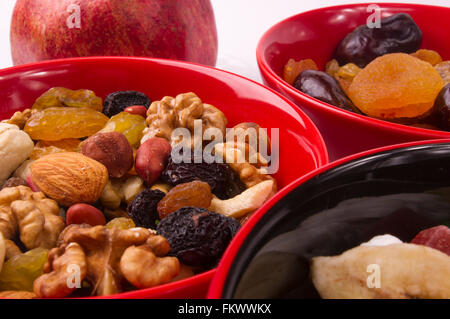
69	177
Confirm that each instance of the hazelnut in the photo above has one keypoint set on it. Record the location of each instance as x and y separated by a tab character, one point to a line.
112	149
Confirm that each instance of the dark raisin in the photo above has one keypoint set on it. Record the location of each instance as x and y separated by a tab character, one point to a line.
118	101
398	33
197	236
217	175
324	87
143	208
15	181
441	109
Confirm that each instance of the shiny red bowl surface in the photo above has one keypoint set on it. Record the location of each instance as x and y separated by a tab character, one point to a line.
315	35
234	251
301	147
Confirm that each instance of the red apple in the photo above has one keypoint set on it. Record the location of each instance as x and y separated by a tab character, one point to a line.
171	29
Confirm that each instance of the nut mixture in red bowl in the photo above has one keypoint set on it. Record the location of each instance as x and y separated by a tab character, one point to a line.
109	190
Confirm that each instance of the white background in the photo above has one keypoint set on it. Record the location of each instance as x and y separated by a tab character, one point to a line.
240	24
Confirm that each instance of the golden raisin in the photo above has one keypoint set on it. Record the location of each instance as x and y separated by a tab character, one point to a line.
429	56
57	123
394	86
59	97
43	148
195	194
130	125
292	69
332	67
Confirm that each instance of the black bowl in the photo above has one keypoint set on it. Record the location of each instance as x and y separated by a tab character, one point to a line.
399	192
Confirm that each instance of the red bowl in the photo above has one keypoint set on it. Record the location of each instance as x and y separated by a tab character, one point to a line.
301	147
331	183
315	35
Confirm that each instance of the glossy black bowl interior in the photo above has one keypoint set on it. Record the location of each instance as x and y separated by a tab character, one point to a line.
398	192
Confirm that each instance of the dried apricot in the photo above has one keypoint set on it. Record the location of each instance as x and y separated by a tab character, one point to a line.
43	148
195	194
130	125
429	56
292	69
443	69
58	97
57	123
396	86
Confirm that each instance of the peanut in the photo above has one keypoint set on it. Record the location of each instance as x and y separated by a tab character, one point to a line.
151	158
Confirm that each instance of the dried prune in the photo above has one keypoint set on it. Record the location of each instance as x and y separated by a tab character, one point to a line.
196	194
217	175
118	101
197	236
398	33
441	108
324	87
396	86
143	208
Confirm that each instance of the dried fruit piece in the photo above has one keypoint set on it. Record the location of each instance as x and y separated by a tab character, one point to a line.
324	87
19	272
348	71
443	69
197	236
143	208
429	56
332	67
43	148
398	33
396	86
57	123
130	125
69	178
217	175
118	101
121	223
437	237
441	109
292	69
195	194
60	97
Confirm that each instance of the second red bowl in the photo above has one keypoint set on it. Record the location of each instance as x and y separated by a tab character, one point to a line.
315	35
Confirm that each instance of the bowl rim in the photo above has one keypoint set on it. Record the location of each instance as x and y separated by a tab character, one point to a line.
321	156
220	277
267	72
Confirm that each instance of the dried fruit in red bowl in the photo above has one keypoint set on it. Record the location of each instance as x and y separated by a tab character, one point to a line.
396	86
437	237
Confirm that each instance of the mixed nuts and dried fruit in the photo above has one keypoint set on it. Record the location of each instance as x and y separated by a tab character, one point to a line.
93	202
419	269
381	73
